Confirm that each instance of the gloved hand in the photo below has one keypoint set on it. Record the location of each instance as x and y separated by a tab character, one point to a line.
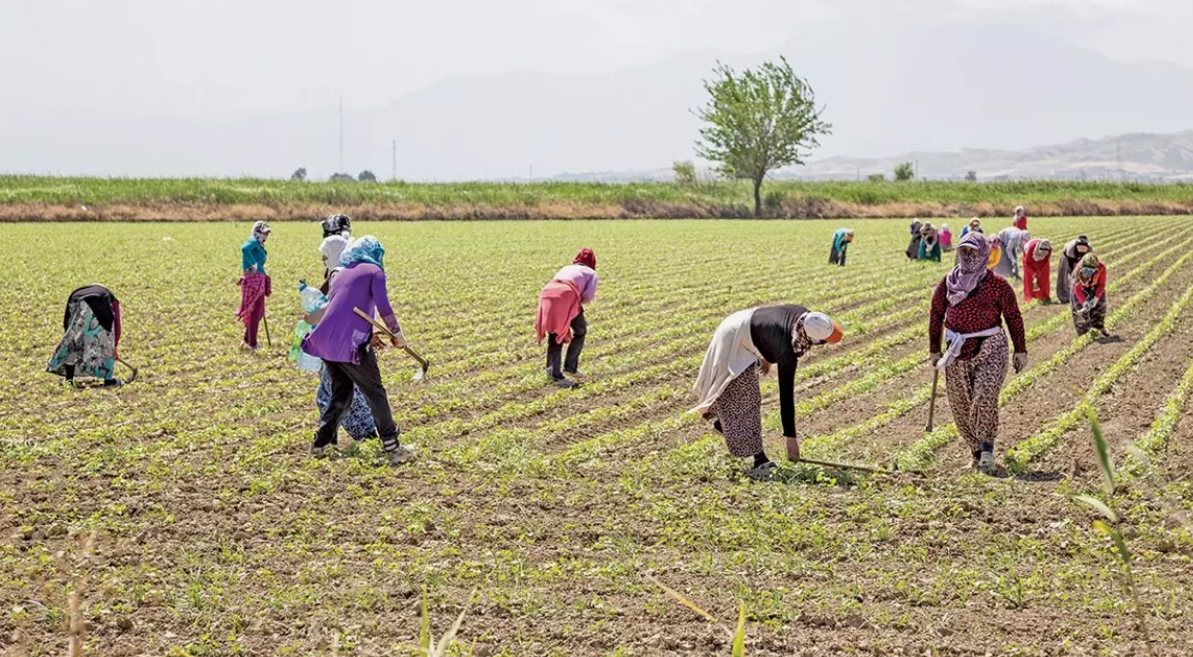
934	358
792	449
1019	361
398	340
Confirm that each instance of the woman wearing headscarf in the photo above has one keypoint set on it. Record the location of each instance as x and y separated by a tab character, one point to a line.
913	248
560	316
1020	219
357	421
974	226
1070	256
91	337
946	238
995	257
1037	264
254	283
968	310
1089	296
841	241
1013	242
347	345
929	243
728	386
337	224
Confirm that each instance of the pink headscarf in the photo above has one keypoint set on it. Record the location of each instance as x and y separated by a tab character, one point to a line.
973	254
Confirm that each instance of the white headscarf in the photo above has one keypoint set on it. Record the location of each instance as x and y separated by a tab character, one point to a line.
332	248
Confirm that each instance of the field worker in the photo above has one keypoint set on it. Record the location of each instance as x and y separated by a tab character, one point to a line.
254	283
1013	242
337	224
348	347
974	225
968	309
1037	263
1020	219
841	241
913	247
995	257
1089	296
357	421
1070	256
728	385
946	238
560	316
929	243
92	335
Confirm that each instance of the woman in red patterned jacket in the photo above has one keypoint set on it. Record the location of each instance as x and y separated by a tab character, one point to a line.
968	309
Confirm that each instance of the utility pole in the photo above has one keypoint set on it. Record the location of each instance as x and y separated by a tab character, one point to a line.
531	178
341	134
395	169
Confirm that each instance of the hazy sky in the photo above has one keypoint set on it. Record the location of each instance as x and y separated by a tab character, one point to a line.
215	57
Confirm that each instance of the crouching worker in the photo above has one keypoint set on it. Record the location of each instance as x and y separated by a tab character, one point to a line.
748	341
348	347
92	336
841	241
560	316
1089	296
968	310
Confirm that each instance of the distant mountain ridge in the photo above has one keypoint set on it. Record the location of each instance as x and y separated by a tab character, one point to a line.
1134	156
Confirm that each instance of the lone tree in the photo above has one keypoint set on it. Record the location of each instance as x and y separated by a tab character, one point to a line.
757	121
904	172
299	174
971	176
366	176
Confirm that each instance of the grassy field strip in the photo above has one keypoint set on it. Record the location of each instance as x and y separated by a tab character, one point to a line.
899	407
1018	457
920	454
1163	429
517	411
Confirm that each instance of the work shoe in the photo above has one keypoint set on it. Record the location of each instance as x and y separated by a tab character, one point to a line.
566	383
575	373
986	462
321	452
762	471
400	456
1105	333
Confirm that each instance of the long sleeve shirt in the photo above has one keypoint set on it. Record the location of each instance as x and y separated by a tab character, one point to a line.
991	302
840	243
584	277
1098	285
1020	222
252	256
771	331
341	333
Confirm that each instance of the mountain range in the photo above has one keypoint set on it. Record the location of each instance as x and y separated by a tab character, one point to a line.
957	98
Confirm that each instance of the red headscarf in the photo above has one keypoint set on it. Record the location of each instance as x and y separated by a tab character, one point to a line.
585	257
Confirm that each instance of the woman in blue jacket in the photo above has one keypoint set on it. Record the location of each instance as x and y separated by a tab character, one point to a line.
841	240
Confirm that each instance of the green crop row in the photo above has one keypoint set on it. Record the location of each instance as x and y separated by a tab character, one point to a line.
1164	427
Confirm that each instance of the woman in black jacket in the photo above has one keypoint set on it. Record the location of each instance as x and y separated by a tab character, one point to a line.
746	342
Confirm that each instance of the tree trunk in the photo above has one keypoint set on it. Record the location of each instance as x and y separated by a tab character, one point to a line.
758	198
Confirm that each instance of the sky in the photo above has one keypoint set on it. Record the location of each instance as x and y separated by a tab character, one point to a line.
228	58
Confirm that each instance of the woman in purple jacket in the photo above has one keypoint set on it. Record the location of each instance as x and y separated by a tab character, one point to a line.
347	345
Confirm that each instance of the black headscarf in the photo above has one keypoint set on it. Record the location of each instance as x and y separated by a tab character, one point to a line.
99	299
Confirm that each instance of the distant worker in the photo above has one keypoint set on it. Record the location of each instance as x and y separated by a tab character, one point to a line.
974	225
337	224
946	238
560	316
1020	219
995	243
254	283
1089	296
968	310
728	387
348	346
91	327
841	241
1037	264
1070	257
913	248
929	243
1013	241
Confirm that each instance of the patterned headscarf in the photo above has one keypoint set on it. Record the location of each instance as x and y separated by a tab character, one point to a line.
1043	250
585	257
1089	262
973	254
337	224
261	231
365	249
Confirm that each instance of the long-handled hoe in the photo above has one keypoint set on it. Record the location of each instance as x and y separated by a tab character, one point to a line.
424	363
932	402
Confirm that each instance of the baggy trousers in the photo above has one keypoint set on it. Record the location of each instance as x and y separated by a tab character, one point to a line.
973	386
366	377
555	349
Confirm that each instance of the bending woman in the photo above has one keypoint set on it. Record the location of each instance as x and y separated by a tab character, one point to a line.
1070	256
728	384
841	241
968	309
92	336
929	243
913	247
1089	296
1037	264
560	316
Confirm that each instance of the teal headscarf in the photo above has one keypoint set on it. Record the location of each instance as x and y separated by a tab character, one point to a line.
363	249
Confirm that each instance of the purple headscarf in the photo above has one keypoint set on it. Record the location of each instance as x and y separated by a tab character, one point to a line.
973	255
